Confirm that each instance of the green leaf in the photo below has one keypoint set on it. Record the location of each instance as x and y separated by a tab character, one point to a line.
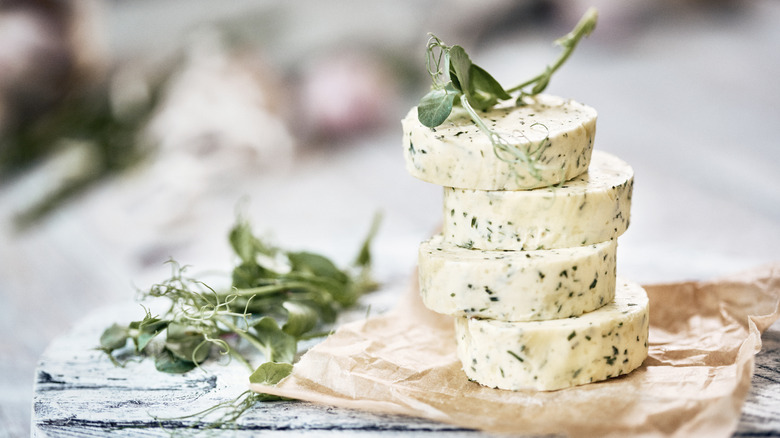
250	274
461	67
481	89
301	318
435	107
482	101
149	328
330	289
152	325
114	337
315	264
270	373
245	244
166	362
186	344
242	241
143	340
265	305
363	259
324	305
278	345
482	80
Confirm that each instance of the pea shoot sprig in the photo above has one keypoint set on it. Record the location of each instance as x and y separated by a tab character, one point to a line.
456	81
277	299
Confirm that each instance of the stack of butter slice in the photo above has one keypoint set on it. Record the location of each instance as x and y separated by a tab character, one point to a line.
526	261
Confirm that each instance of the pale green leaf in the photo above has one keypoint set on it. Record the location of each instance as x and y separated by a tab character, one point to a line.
168	363
301	318
270	373
114	337
435	107
278	346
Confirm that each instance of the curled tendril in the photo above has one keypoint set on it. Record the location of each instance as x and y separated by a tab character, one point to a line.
436	53
520	149
246	313
527	153
223	346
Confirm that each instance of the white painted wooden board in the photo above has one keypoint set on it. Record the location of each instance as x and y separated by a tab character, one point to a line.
79	393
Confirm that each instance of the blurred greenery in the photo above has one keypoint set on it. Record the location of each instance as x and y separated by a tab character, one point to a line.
112	139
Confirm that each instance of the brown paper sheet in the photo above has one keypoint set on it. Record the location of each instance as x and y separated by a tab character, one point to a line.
703	338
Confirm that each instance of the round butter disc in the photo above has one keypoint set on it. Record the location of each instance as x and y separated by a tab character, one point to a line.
458	154
516	285
592	207
555	354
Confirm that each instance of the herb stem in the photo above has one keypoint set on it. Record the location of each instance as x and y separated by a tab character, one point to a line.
533	80
272	289
244	335
314	335
569	41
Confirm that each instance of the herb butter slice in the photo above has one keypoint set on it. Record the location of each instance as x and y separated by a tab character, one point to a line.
557	134
516	285
555	354
593	207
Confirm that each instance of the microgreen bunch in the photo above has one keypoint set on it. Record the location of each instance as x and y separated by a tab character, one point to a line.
276	299
456	81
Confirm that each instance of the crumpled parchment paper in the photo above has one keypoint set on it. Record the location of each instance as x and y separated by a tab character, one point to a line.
703	338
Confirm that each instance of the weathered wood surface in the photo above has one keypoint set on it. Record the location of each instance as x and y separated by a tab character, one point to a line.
761	412
79	393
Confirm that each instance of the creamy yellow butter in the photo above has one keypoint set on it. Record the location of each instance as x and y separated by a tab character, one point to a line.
457	154
591	208
516	285
555	354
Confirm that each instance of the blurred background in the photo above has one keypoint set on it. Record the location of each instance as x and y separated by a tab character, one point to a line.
133	131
